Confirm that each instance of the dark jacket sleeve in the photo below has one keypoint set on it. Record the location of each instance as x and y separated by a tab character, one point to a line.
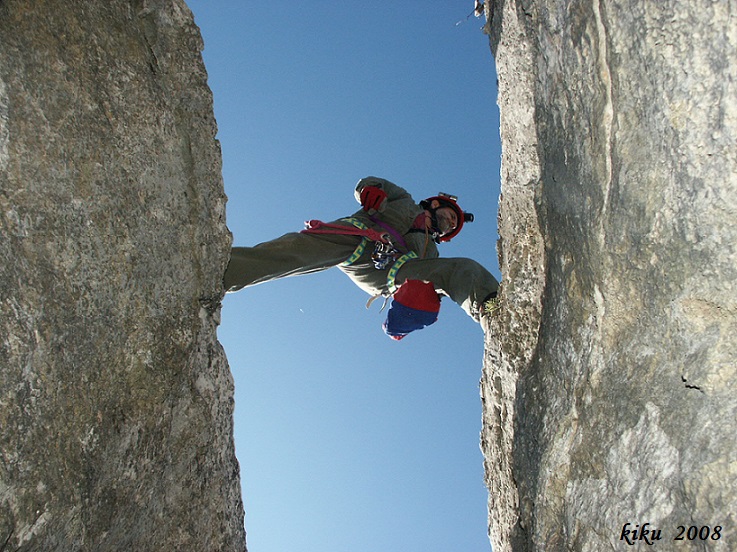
465	281
393	192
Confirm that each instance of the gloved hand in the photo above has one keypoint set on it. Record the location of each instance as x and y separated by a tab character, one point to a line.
373	197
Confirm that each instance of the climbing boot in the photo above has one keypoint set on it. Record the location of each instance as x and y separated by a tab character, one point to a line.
490	305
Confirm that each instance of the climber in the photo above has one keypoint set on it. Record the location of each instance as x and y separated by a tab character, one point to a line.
388	248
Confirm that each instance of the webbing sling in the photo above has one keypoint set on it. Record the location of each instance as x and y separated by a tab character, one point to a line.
392	275
394	233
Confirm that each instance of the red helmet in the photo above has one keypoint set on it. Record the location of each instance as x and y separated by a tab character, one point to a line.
447	200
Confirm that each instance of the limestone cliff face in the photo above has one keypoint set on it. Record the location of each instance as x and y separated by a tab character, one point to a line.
609	385
115	396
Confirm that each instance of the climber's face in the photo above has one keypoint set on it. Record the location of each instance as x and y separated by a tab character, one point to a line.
447	218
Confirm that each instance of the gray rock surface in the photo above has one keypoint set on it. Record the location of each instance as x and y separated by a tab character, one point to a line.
115	396
609	382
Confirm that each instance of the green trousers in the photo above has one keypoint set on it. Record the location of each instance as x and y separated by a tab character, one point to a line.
465	281
290	255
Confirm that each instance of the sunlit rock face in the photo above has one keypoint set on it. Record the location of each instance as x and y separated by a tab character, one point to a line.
115	397
609	382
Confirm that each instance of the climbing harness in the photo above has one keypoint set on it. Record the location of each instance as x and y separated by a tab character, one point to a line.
384	252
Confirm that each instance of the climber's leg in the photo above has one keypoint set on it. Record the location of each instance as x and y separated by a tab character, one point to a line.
290	255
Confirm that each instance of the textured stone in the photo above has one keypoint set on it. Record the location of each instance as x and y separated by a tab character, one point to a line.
115	396
609	383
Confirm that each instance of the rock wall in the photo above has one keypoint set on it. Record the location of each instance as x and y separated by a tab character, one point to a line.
115	396
609	381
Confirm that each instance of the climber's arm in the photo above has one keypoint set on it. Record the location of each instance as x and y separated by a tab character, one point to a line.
393	191
465	281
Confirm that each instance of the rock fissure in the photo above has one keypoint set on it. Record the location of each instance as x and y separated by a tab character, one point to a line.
607	119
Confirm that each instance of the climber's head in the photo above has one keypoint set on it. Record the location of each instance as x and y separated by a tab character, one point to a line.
446	216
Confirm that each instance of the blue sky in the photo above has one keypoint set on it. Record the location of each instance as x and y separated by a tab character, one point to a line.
347	440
